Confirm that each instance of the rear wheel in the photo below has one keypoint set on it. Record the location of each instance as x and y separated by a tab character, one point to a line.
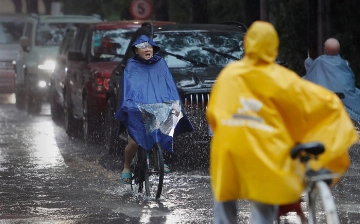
20	99
71	125
55	109
320	201
89	123
33	102
154	175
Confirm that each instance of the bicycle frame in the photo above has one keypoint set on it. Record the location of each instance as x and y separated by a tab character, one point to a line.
316	183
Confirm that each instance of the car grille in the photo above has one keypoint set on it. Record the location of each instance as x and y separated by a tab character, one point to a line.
198	141
197	100
195	105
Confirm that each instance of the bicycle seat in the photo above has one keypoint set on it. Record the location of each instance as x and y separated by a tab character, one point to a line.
312	148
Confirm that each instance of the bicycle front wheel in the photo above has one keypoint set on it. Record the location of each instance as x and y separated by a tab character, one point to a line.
154	175
321	199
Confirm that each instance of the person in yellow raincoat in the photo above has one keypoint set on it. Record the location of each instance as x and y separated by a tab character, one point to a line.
258	111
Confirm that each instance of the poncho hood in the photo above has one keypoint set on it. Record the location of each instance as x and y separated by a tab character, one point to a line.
261	43
143	39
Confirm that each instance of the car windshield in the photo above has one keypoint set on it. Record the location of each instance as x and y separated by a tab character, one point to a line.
110	44
10	31
51	34
200	47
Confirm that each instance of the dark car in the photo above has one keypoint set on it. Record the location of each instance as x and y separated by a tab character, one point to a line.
96	50
195	54
39	44
11	27
58	77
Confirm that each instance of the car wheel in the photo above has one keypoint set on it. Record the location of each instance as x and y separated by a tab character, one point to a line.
55	109
33	102
111	129
89	125
71	125
19	99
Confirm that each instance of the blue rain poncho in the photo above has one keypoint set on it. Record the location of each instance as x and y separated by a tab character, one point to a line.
333	73
150	106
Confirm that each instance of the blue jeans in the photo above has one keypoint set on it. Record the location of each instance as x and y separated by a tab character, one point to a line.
226	213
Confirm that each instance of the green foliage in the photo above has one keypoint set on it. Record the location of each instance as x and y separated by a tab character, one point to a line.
290	20
233	10
107	9
347	31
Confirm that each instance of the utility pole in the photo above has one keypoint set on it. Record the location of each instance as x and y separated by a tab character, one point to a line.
313	29
264	10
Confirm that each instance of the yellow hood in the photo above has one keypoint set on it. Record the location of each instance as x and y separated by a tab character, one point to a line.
261	44
258	111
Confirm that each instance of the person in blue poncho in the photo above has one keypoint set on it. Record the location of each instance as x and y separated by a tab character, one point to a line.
150	106
334	73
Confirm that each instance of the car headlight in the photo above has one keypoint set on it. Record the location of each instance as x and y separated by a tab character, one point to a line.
47	65
41	84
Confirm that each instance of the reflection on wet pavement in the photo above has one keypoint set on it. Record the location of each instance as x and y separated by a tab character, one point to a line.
48	177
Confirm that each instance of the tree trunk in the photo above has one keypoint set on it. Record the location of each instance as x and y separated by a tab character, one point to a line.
18	6
252	11
313	29
32	6
47	4
161	10
200	14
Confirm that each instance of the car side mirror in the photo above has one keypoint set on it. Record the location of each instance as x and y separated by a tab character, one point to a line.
75	56
24	43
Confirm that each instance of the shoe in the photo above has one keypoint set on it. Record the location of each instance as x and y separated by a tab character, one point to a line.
166	168
126	177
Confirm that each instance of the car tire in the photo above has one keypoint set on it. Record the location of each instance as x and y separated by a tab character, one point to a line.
55	108
19	99
89	124
111	126
33	102
71	124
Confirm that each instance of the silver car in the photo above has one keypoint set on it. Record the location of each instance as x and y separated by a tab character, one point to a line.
11	27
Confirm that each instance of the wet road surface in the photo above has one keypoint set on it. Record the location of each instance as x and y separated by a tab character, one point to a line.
48	177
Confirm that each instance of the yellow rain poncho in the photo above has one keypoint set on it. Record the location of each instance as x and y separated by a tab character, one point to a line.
258	111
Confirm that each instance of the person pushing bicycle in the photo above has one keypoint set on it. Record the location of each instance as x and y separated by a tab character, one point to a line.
258	111
150	106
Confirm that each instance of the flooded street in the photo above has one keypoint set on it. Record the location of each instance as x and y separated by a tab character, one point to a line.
48	177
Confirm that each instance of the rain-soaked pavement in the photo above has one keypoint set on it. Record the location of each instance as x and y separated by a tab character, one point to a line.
48	177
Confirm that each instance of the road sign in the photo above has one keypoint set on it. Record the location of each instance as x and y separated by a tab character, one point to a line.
141	9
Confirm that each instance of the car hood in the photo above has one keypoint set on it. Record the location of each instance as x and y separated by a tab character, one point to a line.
195	79
105	67
9	52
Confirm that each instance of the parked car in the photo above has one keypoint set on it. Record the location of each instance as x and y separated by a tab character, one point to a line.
195	54
96	50
41	38
11	27
57	82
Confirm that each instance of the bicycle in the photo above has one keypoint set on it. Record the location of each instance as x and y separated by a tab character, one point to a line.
316	186
148	167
